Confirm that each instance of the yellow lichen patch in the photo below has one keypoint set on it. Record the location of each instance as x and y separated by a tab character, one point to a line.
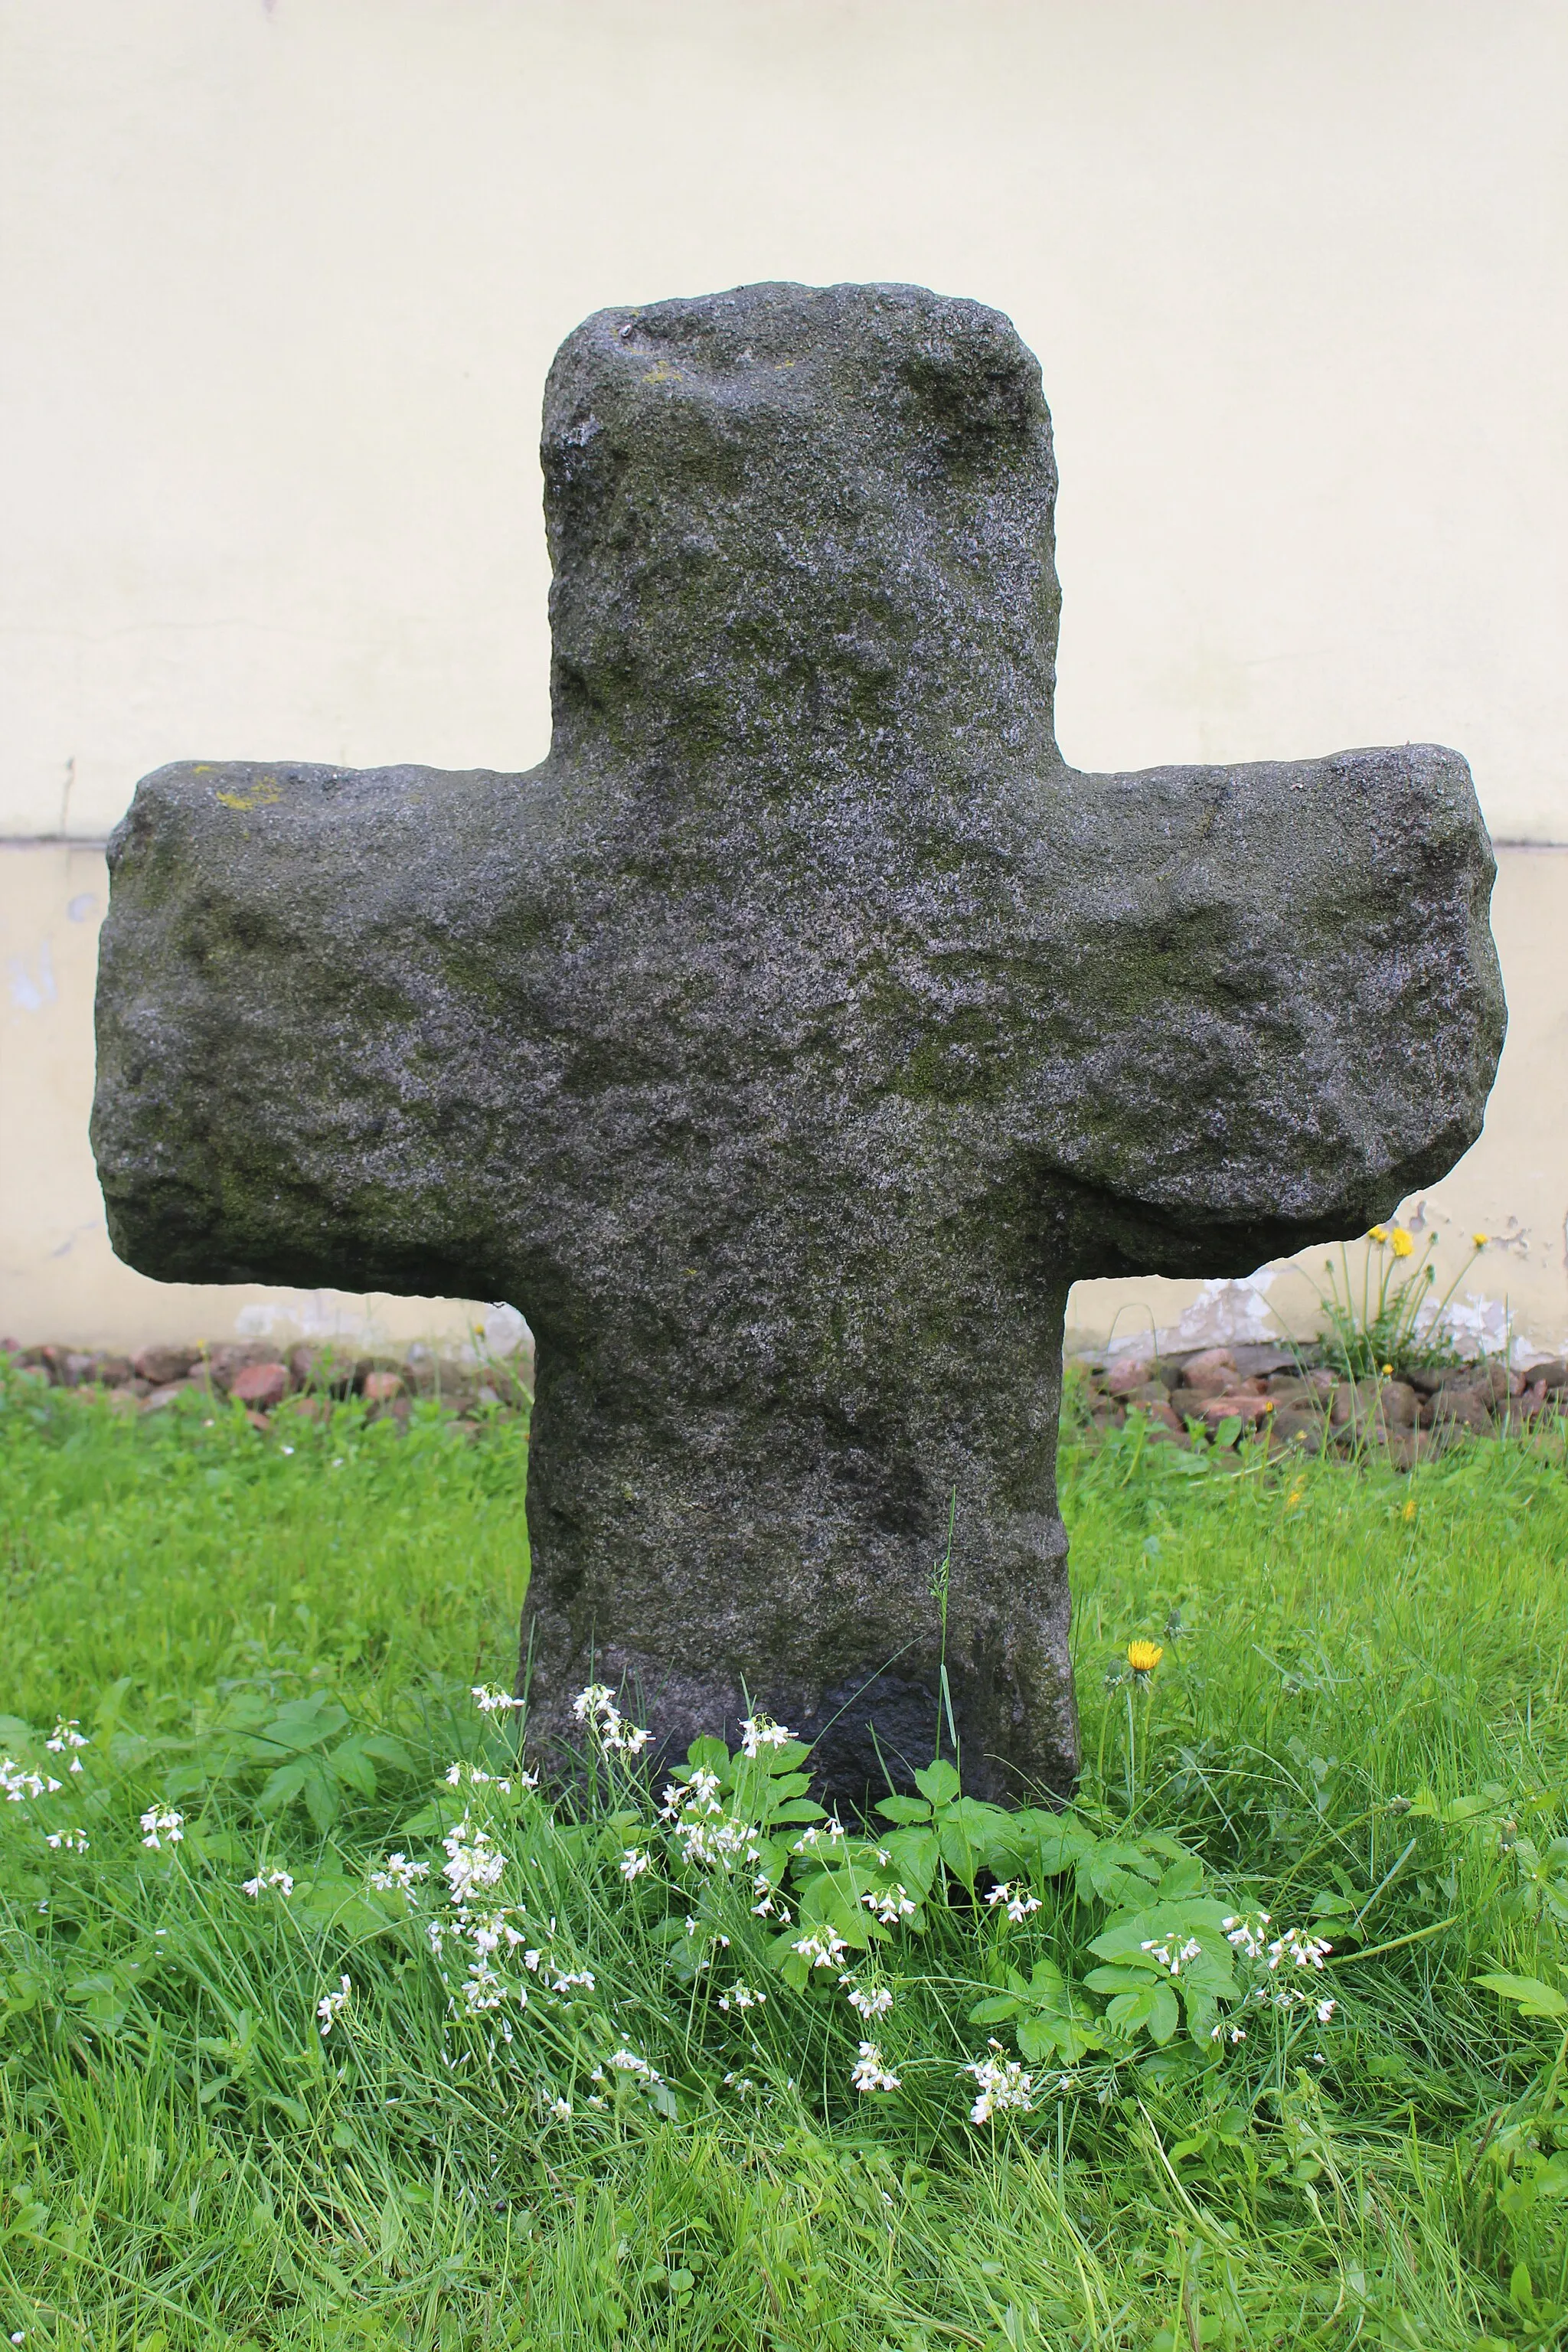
662	374
261	794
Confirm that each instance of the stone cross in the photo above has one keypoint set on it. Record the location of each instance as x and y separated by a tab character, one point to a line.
786	1043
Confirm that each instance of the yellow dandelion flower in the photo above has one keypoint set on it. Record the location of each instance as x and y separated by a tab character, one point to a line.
1294	1497
1408	1509
1387	1370
1145	1656
1404	1246
1378	1235
1481	1240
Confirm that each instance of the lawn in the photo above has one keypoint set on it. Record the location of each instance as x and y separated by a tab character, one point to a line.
1196	2127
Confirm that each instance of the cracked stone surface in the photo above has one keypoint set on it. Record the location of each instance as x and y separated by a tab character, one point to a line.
788	1041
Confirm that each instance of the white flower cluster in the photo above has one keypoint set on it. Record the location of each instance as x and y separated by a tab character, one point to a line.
331	2005
1297	1947
869	2001
67	1841
759	1731
829	1833
472	1862
1171	1956
821	1948
706	1833
478	1779
595	1709
1246	1933
277	1881
1002	2083
1019	1902
740	1996
870	2073
627	2062
634	1862
397	1872
890	1904
495	1702
19	1784
157	1825
68	1733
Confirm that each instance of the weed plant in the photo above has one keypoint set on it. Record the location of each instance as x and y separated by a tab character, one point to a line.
323	2027
1392	1319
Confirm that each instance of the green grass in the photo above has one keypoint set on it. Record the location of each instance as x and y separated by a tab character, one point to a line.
1359	1720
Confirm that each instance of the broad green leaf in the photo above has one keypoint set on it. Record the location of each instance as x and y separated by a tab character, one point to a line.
282	1786
1533	1997
904	1809
939	1781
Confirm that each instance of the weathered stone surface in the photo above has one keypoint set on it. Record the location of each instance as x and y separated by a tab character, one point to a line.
161	1365
380	1388
260	1386
786	1043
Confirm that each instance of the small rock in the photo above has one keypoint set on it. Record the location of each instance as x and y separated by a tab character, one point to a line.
116	1371
163	1365
1455	1407
1128	1377
380	1388
1353	1404
327	1368
1406	1447
166	1392
1208	1377
1491	1380
1249	1409
1298	1425
123	1400
1398	1404
260	1386
1552	1376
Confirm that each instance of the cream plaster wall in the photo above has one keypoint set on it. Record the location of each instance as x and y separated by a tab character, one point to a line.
279	280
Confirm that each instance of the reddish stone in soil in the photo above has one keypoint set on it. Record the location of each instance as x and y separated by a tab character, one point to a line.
380	1388
1252	1409
260	1386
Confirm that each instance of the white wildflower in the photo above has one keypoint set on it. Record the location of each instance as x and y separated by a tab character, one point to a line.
398	1872
1002	2083
494	1702
870	2001
890	1904
595	1709
158	1824
1302	1949
759	1731
634	1862
276	1882
67	1841
870	2073
627	2062
331	2005
562	2110
67	1734
1019	1903
821	1948
19	1784
1246	1933
1171	1956
1325	2011
472	1862
740	1996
